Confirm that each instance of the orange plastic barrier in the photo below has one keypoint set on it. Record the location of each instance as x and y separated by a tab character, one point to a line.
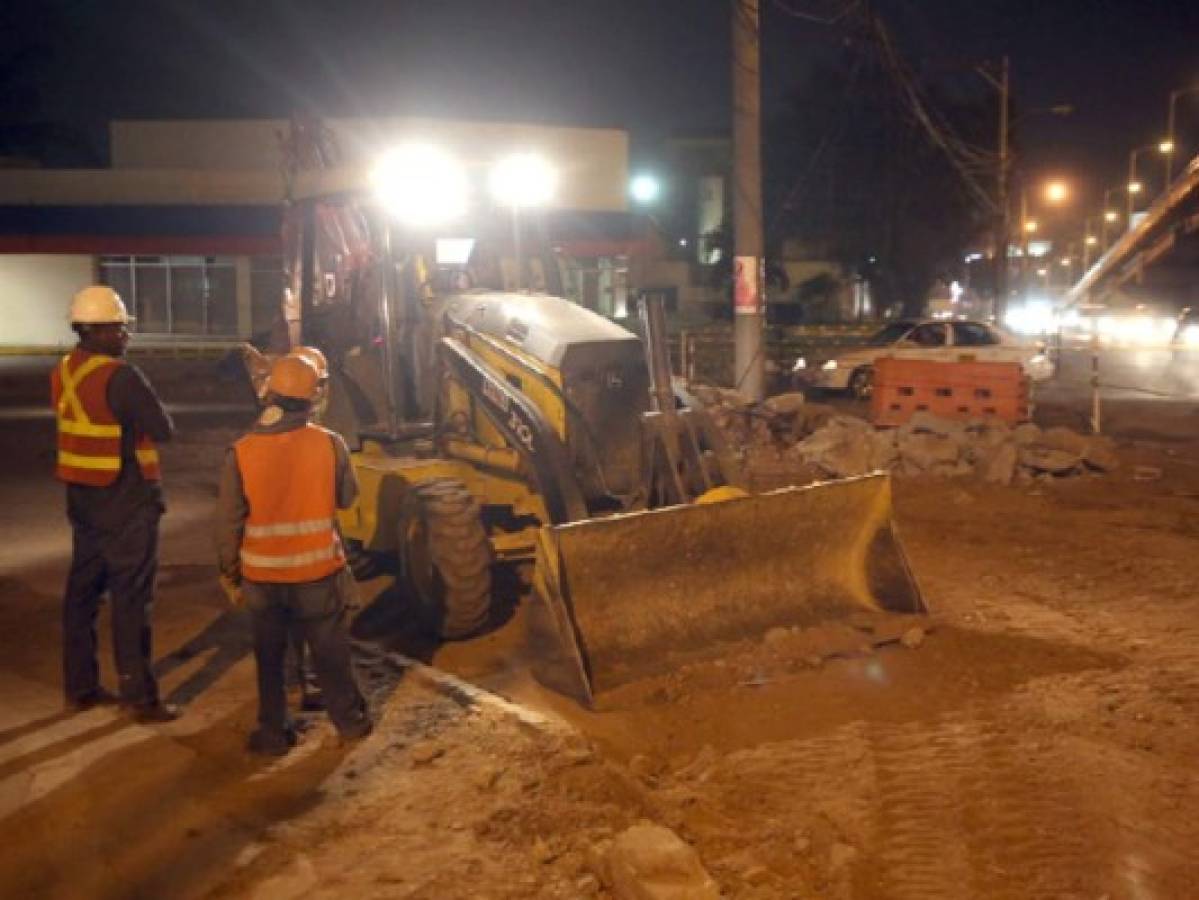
953	390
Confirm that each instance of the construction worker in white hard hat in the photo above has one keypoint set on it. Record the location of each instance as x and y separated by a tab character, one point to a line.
109	422
279	548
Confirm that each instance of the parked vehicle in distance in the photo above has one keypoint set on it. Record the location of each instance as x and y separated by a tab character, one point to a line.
936	340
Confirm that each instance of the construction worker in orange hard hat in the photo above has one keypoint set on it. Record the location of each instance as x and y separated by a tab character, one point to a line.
279	548
109	421
321	364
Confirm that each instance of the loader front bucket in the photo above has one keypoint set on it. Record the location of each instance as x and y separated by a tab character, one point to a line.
635	595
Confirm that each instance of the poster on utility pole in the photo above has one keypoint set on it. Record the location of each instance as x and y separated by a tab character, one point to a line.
749	274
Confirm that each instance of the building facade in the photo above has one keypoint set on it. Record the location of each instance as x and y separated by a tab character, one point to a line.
185	222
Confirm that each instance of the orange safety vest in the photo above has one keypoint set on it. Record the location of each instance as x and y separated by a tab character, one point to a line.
289	480
89	435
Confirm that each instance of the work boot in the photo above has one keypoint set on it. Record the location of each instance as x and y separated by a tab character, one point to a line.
271	743
357	730
155	713
97	697
312	700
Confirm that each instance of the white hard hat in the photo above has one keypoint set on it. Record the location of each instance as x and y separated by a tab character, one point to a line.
99	305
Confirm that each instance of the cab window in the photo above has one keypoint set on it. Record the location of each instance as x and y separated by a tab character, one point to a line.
928	336
971	334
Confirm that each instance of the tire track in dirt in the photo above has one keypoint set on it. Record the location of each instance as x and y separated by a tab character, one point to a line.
965	808
916	771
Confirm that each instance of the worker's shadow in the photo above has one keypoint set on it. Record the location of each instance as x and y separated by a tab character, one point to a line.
395	620
227	639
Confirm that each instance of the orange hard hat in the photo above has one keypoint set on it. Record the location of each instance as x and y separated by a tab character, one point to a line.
293	376
316	358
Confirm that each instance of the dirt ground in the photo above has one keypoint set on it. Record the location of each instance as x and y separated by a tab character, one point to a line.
1036	740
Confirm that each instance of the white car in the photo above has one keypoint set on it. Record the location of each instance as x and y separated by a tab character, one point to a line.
938	340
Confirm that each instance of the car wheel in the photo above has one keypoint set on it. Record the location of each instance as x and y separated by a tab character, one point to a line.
861	383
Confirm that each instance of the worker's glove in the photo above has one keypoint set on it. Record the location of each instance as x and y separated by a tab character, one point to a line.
233	591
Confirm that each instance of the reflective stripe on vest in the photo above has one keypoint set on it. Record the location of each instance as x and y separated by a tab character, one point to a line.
289	482
89	436
290	561
286	529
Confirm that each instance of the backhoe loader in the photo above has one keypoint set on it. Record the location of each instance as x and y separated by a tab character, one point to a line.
491	427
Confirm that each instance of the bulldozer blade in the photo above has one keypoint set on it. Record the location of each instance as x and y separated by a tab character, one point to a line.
635	595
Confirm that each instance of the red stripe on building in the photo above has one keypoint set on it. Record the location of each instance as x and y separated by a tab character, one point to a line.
143	245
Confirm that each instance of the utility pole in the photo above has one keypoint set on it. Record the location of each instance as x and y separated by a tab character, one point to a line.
1003	229
1088	241
749	265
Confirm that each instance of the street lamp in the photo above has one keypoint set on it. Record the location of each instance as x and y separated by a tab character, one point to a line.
1171	137
1110	215
1089	241
1055	193
1134	185
519	181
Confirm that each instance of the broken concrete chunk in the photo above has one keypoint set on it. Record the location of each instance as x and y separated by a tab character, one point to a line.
912	638
883	452
1047	460
1060	438
927	423
999	465
1099	454
923	451
650	862
1026	433
786	404
838	449
992	434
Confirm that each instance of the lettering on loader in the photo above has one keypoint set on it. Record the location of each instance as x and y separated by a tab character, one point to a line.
495	396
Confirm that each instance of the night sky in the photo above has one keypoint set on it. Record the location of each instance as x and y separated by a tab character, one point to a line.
655	67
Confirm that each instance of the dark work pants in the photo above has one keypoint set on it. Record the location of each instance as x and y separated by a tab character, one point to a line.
122	561
317	610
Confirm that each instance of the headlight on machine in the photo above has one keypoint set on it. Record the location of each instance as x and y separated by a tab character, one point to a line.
830	365
800	365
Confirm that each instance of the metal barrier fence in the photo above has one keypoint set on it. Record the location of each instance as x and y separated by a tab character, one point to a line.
707	356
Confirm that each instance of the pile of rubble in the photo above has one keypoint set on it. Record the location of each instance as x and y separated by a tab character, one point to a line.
837	445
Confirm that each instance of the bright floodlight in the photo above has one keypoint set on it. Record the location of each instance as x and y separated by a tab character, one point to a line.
1111	215
420	185
1057	191
523	179
1091	240
645	189
1134	187
1166	146
1030	226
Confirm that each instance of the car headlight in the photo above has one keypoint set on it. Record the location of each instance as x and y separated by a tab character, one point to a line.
800	365
830	365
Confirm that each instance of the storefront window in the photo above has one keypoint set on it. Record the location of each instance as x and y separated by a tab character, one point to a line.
186	295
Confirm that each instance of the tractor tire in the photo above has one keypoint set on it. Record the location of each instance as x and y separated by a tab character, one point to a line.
445	557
